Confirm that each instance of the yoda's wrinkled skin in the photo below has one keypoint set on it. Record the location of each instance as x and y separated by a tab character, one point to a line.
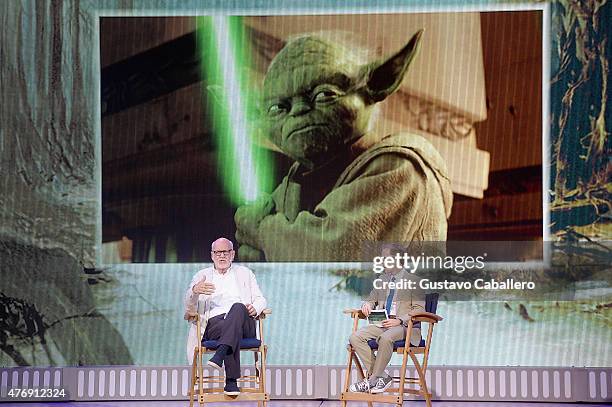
342	189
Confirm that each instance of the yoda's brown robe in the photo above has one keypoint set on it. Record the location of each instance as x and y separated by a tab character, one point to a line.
397	190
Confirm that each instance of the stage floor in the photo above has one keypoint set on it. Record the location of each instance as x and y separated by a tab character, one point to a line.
292	403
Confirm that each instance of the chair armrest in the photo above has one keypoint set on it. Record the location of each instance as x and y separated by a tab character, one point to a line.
425	316
354	313
262	315
191	316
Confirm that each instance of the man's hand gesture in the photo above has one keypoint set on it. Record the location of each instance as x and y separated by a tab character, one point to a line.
203	287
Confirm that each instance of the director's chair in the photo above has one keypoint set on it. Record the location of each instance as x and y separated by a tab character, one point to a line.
209	389
395	395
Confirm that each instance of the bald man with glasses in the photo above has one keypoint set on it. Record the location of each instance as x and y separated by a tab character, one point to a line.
228	299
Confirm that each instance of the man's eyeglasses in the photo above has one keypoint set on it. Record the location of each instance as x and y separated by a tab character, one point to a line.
222	252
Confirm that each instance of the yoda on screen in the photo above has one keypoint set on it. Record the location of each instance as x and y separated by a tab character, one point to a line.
343	188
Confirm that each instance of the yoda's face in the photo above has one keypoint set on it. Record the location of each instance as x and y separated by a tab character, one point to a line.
311	106
318	97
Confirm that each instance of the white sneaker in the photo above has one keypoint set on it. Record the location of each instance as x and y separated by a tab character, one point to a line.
360	387
382	384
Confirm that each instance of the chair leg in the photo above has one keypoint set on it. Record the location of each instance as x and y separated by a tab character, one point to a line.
402	382
257	366
193	380
201	376
264	355
262	381
347	379
424	390
360	373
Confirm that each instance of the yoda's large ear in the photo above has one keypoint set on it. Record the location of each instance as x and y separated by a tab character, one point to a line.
384	77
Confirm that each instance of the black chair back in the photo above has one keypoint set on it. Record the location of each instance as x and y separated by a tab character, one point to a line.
431	302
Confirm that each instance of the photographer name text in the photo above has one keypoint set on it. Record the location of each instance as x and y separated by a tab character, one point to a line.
478	284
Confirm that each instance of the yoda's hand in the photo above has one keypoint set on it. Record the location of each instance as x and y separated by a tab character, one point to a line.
288	199
247	218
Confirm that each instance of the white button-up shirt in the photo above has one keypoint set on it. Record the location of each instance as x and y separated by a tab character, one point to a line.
226	292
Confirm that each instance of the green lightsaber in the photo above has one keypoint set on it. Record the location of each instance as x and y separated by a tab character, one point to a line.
244	172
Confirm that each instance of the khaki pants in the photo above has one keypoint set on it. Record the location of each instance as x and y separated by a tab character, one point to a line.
377	363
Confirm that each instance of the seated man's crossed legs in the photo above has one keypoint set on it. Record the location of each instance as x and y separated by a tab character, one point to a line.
228	329
377	380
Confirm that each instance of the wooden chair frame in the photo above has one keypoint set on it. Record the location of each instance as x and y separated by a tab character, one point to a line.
397	396
214	393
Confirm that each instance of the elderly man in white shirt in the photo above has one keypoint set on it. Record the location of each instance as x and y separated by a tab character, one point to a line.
229	300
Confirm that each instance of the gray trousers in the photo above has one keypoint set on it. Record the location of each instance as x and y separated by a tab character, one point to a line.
376	363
